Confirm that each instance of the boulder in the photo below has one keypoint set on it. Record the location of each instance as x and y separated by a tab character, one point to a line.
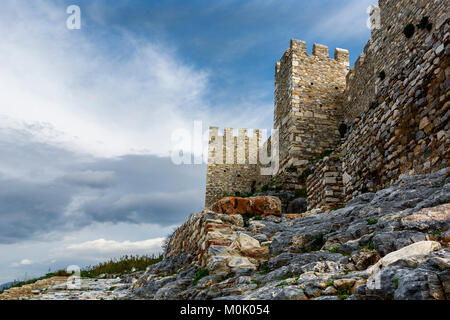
415	249
256	206
240	263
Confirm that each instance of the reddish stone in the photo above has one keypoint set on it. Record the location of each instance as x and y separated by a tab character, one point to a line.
261	252
256	206
218	243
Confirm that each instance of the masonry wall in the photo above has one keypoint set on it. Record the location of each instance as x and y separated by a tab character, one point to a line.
398	124
237	170
200	231
216	242
324	185
308	102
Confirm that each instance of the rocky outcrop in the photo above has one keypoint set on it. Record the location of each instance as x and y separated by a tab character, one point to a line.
393	244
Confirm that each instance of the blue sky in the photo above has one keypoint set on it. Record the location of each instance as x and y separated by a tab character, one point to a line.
86	115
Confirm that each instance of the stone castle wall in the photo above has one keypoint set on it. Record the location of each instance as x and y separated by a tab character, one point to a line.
308	102
217	242
394	103
200	231
398	124
325	188
236	170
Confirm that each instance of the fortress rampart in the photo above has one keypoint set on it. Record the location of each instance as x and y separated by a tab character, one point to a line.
397	99
386	117
308	102
234	164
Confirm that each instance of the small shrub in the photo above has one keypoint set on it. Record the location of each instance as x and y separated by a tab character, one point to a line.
62	273
282	284
370	246
264	270
288	276
265	188
247	195
435	233
372	222
409	30
257	282
330	283
334	250
343	294
199	275
226	277
396	283
120	266
246	219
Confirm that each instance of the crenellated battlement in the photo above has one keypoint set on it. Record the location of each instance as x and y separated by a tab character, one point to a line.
386	117
234	164
308	94
321	51
228	148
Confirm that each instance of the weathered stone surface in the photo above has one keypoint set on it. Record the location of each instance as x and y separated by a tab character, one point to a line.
256	206
415	249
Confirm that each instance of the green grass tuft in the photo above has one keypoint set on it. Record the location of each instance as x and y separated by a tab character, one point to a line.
264	270
396	283
199	275
122	265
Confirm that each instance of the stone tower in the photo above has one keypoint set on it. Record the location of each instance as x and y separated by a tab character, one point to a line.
233	164
308	102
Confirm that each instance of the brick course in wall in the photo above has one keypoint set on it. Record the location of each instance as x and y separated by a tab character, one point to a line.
217	242
394	102
243	174
399	124
324	185
308	102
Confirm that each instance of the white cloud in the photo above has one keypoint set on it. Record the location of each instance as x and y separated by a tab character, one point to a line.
85	96
23	262
102	246
26	262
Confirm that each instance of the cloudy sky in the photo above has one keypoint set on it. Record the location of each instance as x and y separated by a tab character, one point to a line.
86	116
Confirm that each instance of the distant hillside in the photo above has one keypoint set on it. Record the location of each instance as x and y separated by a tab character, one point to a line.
6	285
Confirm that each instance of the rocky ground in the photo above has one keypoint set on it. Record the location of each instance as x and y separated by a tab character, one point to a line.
61	288
393	244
